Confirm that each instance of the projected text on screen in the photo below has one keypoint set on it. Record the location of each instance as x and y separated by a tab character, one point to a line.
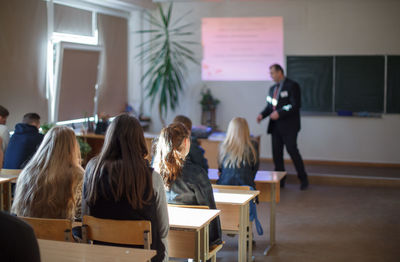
241	49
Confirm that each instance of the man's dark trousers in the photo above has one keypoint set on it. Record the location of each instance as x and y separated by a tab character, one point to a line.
289	140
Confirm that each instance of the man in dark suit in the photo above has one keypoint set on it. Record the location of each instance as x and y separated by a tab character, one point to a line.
283	109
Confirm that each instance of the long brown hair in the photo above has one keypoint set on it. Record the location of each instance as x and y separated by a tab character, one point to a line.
169	159
122	158
47	187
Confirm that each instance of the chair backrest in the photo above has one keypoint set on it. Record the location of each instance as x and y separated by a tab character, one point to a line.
128	232
231	187
189	206
50	228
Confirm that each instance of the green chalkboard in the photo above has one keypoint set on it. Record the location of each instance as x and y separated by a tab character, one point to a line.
359	83
393	84
315	76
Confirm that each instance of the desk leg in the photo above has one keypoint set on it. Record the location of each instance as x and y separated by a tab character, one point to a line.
271	221
203	246
9	197
1	198
242	234
249	235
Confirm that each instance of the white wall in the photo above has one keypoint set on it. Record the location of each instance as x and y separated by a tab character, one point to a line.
311	27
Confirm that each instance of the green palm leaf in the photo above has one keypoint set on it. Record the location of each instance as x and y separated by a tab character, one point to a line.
165	55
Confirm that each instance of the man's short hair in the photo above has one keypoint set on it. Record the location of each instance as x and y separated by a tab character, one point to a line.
4	112
31	118
277	67
184	120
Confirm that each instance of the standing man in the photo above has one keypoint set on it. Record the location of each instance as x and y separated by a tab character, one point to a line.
283	109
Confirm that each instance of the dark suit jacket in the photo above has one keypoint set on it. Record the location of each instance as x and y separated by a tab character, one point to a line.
288	107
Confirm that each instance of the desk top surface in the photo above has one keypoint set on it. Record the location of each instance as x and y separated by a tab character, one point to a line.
7	178
234	196
190	218
269	177
69	252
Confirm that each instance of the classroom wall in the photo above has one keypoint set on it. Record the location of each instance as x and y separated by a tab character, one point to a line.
311	27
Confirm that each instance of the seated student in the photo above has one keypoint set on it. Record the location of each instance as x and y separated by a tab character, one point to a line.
102	124
186	182
120	184
24	142
238	155
4	133
239	161
196	153
17	240
50	184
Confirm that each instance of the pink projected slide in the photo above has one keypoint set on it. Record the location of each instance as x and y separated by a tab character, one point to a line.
241	49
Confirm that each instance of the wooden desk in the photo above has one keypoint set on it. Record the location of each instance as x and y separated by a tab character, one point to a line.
234	206
264	180
268	184
60	251
188	235
211	147
6	177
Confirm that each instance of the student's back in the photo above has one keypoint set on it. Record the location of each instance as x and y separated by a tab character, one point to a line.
193	187
196	152
107	208
187	183
119	184
239	175
50	184
17	240
238	158
22	145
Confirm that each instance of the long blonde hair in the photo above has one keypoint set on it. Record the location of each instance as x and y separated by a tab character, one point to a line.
237	148
47	186
169	157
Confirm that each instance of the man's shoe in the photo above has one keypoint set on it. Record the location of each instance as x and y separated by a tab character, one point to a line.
304	186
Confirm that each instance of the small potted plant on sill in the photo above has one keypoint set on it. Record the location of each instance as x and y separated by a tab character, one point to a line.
208	106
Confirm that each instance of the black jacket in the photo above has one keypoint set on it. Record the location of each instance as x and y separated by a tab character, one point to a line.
288	107
193	187
17	240
105	207
196	154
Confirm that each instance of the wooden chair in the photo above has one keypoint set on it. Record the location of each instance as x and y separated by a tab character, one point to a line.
126	232
5	189
212	252
50	228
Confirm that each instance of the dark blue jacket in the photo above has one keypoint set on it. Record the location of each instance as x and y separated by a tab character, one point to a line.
23	144
239	176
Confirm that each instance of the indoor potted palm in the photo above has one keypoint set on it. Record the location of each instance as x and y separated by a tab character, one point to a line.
165	54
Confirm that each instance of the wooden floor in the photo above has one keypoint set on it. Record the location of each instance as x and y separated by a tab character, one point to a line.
313	169
340	175
329	223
